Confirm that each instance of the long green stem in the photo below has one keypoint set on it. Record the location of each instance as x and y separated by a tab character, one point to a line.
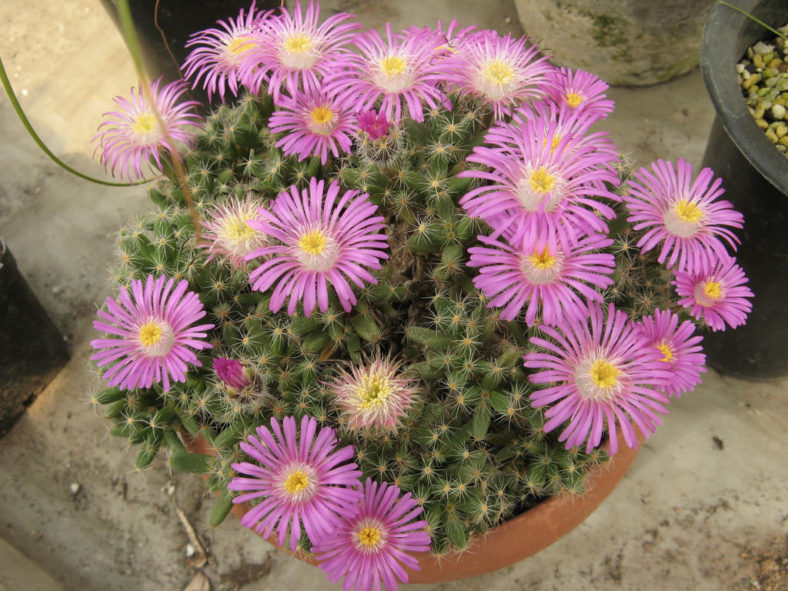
754	19
23	118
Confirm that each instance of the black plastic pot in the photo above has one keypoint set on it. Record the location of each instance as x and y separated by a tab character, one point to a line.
178	19
755	176
32	350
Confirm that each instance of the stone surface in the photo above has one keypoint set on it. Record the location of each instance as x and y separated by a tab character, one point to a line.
626	42
703	508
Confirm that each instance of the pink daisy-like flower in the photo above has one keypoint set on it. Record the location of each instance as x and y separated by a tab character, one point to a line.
372	546
598	375
152	334
445	43
553	270
218	52
537	183
680	348
302	478
372	396
232	373
296	51
682	215
322	240
399	69
131	136
314	123
579	91
501	71
226	232
717	294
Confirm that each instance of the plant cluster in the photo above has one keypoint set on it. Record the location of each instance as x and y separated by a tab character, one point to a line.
401	288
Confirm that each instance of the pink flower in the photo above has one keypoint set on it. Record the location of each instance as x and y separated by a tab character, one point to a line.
131	136
399	71
321	241
153	336
375	125
372	545
218	52
301	478
717	294
231	372
296	51
314	123
680	348
598	375
683	216
579	91
227	233
552	273
500	71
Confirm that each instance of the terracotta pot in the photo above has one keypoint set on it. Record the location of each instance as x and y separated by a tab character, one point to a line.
513	540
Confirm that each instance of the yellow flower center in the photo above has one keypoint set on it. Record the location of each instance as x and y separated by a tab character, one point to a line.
713	290
497	72
150	333
321	115
296	482
237	230
687	211
144	123
541	181
666	351
393	65
298	43
239	45
573	99
370	537
542	260
604	374
313	242
373	391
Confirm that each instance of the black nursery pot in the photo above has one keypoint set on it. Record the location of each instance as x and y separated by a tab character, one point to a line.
32	349
755	176
178	19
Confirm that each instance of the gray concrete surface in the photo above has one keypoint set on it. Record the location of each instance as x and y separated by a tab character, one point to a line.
704	506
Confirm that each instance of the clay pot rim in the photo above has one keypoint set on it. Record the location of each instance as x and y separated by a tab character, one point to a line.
509	542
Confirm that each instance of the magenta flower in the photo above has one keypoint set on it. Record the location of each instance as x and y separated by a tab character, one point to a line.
375	125
131	136
372	396
371	546
227	233
302	479
313	123
218	52
553	270
152	334
598	376
680	348
296	52
717	294
538	183
400	69
231	372
501	71
321	241
579	91
682	215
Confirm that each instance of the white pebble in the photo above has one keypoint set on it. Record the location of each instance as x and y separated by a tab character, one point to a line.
74	487
778	111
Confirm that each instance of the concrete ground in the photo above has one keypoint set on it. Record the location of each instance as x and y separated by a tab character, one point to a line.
704	506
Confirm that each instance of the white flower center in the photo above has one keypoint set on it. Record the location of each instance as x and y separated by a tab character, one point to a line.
369	536
707	293
598	378
316	250
542	266
322	120
496	79
539	186
393	74
298	51
156	337
145	129
298	482
684	219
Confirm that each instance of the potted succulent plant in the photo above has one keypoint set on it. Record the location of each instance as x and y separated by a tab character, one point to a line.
756	180
394	291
